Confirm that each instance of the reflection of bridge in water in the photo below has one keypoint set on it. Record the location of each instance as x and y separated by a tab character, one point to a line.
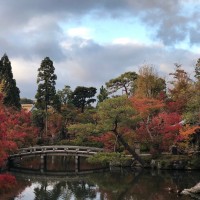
44	151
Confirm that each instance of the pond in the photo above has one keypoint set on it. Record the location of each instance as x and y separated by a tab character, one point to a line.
116	185
54	165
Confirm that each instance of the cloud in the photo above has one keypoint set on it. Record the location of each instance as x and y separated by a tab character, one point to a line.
95	64
81	32
31	30
125	41
173	20
25	73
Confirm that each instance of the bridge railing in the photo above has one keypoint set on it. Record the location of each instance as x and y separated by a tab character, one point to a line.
57	149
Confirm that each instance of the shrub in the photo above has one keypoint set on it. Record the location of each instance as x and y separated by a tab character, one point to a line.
195	162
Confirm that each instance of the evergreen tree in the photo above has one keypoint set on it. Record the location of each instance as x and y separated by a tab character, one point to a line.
46	93
65	95
192	112
8	87
125	81
83	96
197	70
103	95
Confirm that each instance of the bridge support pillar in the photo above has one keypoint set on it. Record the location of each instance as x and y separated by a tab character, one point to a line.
77	164
43	163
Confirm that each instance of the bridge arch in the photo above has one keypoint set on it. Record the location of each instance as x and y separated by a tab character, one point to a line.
64	150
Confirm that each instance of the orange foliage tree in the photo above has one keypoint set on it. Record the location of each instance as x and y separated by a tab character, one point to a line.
191	136
146	109
188	130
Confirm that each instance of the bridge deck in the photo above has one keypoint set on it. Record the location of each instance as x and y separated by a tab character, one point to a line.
59	150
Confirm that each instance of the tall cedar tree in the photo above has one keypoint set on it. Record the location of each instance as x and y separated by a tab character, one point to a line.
8	88
46	93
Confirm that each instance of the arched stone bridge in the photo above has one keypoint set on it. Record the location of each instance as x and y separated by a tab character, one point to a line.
57	150
44	151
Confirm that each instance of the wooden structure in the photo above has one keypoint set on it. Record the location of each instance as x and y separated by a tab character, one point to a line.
44	151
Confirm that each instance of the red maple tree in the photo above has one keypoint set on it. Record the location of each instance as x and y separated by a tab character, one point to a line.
158	127
16	131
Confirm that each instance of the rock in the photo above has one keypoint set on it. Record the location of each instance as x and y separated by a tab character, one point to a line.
194	196
192	190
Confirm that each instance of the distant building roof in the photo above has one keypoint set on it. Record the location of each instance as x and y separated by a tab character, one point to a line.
28	107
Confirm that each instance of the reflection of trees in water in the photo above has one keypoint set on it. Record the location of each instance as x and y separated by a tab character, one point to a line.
127	184
145	185
115	185
82	189
56	190
65	190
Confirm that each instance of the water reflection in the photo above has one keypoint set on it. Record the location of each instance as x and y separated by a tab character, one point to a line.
51	164
120	185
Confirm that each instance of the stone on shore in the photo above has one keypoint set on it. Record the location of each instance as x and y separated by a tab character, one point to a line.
192	191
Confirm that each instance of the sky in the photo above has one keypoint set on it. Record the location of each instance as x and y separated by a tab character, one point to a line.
93	41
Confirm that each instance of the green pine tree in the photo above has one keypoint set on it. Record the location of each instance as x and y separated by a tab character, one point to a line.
83	96
9	89
103	94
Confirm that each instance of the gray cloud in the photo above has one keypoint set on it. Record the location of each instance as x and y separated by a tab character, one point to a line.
164	16
94	64
30	30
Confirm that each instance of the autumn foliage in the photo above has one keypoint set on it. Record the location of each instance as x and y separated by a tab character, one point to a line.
156	125
187	131
108	140
16	131
146	106
7	182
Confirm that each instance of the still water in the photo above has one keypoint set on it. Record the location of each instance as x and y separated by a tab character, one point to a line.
123	184
118	185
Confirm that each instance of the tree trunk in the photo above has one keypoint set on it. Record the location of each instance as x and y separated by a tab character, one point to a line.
128	148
